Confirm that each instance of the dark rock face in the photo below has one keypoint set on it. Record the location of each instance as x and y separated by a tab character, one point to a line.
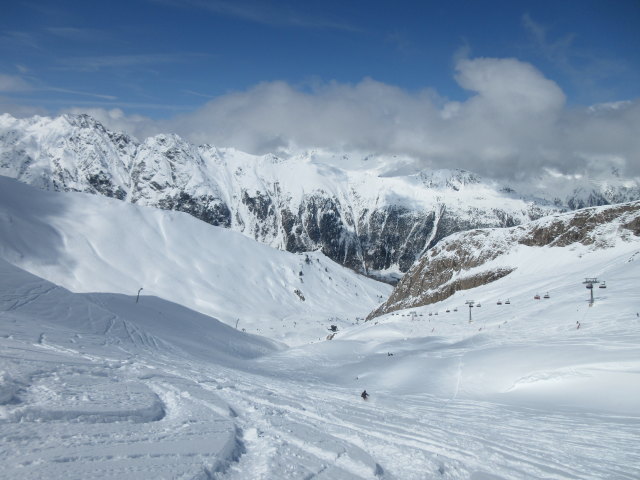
321	223
206	208
394	235
103	185
260	205
456	263
262	208
633	226
381	239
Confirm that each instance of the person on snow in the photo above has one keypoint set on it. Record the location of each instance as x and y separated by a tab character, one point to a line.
364	395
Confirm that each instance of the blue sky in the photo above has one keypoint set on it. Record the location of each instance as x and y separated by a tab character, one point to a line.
159	57
497	87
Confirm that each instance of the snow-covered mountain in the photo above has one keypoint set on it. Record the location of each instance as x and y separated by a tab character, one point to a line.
89	243
371	220
96	385
470	259
599	187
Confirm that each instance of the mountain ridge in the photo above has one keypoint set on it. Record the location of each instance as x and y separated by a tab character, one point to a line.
470	259
372	221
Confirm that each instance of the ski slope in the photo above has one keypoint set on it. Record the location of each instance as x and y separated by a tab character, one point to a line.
95	385
89	243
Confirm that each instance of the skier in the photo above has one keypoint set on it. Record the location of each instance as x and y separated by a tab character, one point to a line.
364	395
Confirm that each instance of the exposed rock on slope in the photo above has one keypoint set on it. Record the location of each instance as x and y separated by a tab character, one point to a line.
470	259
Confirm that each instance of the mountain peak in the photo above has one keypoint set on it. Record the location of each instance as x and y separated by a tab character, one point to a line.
377	217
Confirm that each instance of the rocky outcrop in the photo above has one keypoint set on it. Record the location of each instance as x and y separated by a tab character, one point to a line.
467	260
580	226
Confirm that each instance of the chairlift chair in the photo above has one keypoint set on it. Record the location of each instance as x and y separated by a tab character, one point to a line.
507	302
536	297
499	302
602	285
546	295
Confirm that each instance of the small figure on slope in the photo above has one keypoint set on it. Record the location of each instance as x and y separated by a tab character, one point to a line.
364	395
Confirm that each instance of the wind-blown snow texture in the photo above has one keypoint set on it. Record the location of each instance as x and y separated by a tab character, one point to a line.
373	219
95	385
89	243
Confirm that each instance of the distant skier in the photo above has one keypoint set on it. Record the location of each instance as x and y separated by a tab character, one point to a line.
364	395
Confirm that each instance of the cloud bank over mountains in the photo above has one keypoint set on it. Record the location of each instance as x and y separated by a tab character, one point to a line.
514	123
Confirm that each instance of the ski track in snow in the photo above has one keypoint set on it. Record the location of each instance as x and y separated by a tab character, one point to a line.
136	410
425	437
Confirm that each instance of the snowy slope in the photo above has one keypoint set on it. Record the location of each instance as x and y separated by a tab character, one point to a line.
90	243
558	352
544	388
79	400
93	385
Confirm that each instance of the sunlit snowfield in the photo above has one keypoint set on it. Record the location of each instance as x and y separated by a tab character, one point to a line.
95	385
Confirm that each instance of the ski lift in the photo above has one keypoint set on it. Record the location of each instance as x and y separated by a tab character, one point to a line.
499	302
507	302
436	313
455	309
430	313
602	285
448	310
536	297
478	305
546	295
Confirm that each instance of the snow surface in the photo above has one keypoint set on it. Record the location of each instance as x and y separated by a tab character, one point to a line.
95	385
89	243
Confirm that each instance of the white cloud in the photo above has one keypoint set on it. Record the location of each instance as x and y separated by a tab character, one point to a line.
509	86
13	83
514	123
